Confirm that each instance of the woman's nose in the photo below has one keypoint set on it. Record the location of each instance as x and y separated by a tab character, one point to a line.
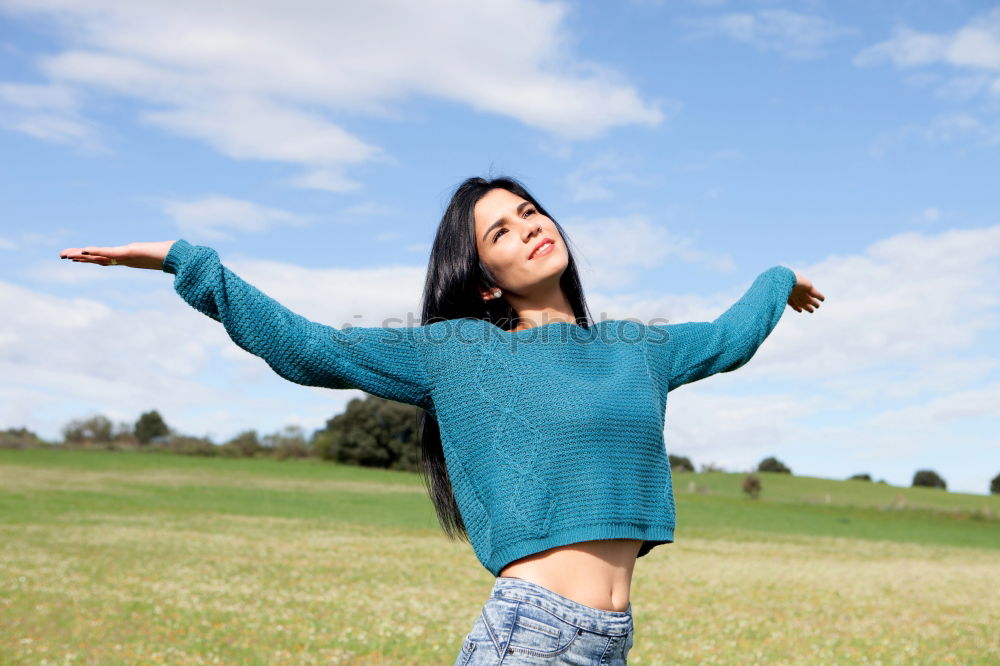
531	229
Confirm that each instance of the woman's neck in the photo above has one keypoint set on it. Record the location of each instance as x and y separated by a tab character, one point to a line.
540	311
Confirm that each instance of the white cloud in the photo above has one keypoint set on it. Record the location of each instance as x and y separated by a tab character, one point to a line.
791	34
331	180
595	178
612	252
7	244
974	47
272	81
945	128
340	296
212	217
33	96
46	112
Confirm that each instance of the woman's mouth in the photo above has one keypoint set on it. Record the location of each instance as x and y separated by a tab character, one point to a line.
542	249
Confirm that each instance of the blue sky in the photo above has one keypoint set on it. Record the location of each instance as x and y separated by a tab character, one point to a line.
685	147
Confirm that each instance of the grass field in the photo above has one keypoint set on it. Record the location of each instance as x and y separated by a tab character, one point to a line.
115	558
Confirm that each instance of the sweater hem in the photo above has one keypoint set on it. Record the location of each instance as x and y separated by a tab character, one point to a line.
504	556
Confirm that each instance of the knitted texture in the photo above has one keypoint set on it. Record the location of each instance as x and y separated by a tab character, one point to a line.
552	435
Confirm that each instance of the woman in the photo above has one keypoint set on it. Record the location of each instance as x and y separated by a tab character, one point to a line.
542	431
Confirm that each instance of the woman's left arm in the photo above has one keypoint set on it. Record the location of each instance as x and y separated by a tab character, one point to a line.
695	350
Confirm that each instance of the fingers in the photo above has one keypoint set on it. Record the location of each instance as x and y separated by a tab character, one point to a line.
804	302
93	254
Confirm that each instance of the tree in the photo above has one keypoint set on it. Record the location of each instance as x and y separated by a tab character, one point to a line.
150	426
94	430
680	463
928	478
861	477
772	464
752	485
995	485
372	432
289	442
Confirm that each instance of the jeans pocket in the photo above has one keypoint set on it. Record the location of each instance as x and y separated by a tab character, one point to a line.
538	633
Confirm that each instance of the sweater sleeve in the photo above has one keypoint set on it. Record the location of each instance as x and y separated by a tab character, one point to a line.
382	361
684	353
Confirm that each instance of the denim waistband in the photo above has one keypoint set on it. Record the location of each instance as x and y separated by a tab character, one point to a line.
612	623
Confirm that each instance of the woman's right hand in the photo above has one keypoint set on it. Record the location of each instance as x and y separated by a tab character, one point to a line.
133	255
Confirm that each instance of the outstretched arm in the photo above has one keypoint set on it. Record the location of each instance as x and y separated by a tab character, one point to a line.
695	350
382	361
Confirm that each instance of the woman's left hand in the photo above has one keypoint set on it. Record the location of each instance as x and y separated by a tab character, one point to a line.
804	295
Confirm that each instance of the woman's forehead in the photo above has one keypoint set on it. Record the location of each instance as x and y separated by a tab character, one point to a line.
495	204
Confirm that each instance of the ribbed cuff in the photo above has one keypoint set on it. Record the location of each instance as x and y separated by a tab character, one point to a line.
179	252
786	278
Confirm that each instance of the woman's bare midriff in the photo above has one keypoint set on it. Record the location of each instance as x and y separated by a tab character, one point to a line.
594	573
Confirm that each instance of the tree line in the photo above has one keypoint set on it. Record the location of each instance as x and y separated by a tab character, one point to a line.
370	432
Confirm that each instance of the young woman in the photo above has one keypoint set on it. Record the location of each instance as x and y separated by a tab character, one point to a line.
542	430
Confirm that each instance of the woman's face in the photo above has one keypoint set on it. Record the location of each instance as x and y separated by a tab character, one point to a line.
522	248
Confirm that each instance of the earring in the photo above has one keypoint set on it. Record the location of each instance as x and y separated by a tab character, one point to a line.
497	292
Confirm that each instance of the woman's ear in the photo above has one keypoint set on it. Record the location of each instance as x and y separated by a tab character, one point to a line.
490	294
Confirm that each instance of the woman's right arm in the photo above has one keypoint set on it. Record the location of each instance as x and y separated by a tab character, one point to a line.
382	361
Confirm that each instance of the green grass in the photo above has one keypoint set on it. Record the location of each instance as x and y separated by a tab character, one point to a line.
124	558
811	490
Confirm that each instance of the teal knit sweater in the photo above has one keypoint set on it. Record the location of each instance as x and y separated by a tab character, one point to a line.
552	435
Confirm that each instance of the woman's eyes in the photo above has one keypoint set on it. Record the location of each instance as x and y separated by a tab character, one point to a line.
526	213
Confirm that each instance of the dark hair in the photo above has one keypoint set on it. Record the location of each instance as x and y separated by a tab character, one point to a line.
454	275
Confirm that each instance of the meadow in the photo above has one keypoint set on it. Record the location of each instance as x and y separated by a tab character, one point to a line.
135	558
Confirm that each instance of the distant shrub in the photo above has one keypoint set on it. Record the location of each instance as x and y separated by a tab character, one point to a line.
289	442
752	485
192	446
681	463
773	465
860	477
96	429
995	485
19	438
244	445
928	478
711	467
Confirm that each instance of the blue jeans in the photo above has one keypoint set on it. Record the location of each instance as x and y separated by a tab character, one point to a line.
525	623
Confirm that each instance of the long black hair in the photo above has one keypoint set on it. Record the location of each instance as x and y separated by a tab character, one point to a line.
454	275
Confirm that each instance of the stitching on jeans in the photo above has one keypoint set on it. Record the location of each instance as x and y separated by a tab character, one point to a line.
570	622
604	655
489	630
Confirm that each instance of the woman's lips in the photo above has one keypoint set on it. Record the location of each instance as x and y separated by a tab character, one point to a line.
545	249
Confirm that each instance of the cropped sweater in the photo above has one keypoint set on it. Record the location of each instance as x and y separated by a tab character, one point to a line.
551	435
